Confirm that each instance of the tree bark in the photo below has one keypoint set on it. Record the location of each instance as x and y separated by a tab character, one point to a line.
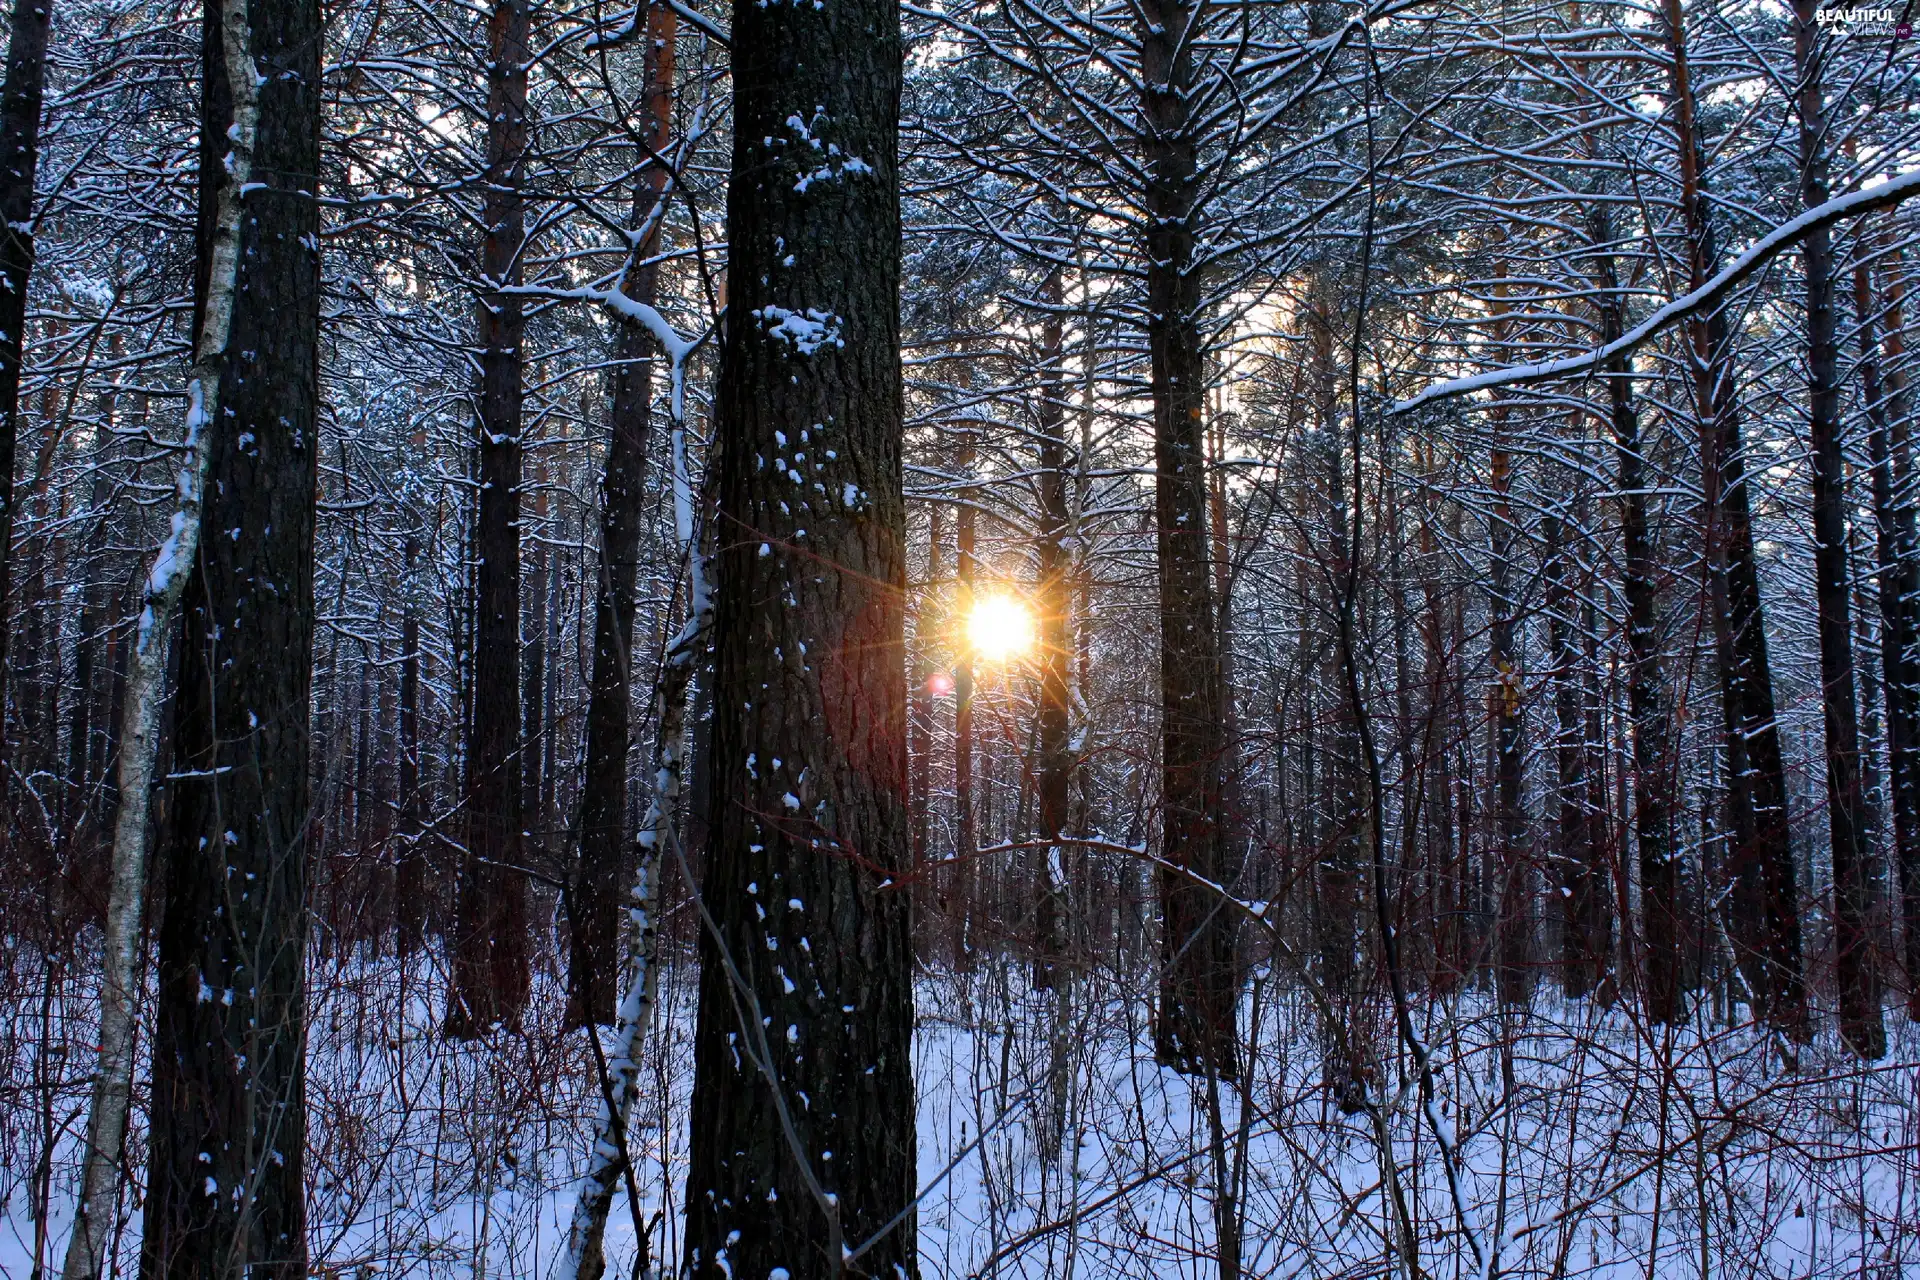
966	840
1194	1024
225	1187
1765	903
1508	721
410	875
20	99
1861	1023
585	1254
151	645
592	961
1654	763
1054	596
491	964
803	1141
1054	970
1577	851
1892	421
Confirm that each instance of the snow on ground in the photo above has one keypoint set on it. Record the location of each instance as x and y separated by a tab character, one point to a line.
1588	1145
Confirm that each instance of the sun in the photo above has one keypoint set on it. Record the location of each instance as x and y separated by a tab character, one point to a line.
999	627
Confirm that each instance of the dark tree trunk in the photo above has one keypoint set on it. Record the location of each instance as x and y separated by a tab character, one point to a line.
534	657
1893	481
802	1113
1861	1023
600	881
927	632
1437	748
1194	1024
1055	599
19	155
1511	926
491	973
80	806
966	841
1577	851
225	1194
1765	901
410	876
1654	774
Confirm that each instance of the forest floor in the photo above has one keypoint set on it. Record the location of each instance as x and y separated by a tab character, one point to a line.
1588	1146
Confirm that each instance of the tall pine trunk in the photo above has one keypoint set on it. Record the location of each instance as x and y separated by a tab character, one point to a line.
1861	1023
225	1187
410	874
967	879
1577	850
491	964
1765	901
1891	416
1508	719
1054	595
598	883
1195	1020
803	1142
20	99
1655	777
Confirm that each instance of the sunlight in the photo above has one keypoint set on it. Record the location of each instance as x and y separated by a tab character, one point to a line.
999	627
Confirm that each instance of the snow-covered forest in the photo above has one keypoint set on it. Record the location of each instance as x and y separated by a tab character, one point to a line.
966	638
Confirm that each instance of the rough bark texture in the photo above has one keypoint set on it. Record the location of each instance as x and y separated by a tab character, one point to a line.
410	875
1507	719
1655	780
593	959
1861	1023
1194	1022
1900	606
224	1190
802	1115
1576	843
966	840
1054	598
1764	908
491	973
19	154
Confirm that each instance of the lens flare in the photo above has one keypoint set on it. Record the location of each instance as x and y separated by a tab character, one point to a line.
999	627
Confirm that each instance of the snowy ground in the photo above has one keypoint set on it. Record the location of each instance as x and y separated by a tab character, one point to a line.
1588	1147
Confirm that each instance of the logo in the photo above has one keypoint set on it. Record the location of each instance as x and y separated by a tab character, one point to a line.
1865	22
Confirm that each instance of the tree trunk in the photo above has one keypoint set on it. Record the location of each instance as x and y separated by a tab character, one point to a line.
491	969
803	1141
1765	903
592	964
966	841
1890	414
1054	595
151	645
19	156
927	631
534	657
1653	734
1510	824
1861	1022
1577	851
585	1254
225	1186
1194	1025
410	876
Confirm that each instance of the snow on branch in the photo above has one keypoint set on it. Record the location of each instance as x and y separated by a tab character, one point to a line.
1866	200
